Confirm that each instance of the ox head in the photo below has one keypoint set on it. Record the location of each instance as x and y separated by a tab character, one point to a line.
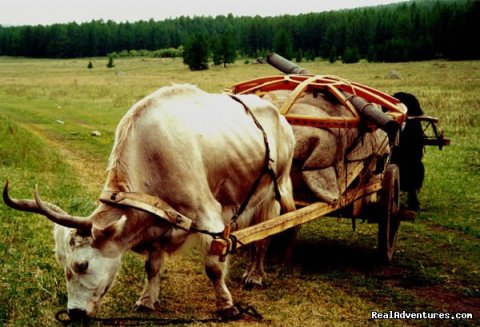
90	254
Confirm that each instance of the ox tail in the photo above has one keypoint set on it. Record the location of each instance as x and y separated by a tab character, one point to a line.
285	187
287	203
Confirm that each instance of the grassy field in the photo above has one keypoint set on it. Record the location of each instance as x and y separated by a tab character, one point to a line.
49	107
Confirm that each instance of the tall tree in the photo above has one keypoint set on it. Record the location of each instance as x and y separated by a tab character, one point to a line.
224	49
58	42
283	44
331	41
195	52
351	55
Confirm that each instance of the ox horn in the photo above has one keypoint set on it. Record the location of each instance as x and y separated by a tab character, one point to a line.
51	211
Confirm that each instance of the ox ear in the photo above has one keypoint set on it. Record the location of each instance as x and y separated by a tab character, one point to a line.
110	231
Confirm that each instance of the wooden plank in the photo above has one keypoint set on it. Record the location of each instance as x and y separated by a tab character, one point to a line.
359	192
149	204
323	122
340	97
353	170
241	87
297	93
276	225
273	226
273	85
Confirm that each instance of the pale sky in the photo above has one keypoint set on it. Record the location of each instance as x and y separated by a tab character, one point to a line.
45	12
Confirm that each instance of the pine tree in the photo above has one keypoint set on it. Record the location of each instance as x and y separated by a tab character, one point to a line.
310	55
351	55
224	50
283	44
195	52
110	63
217	52
299	55
332	57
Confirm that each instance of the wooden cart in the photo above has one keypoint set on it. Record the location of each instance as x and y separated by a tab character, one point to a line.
372	189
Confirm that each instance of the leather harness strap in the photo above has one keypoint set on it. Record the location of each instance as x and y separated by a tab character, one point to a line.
163	210
267	165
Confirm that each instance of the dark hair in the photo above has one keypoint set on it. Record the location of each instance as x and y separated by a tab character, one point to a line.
411	102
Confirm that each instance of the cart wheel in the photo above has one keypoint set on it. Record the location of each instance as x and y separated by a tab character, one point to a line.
389	205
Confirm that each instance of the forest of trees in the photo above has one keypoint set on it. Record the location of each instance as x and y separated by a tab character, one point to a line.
416	30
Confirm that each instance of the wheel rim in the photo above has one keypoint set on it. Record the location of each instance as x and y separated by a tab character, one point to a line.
389	206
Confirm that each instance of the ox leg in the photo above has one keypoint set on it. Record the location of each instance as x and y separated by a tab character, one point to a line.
255	273
217	273
412	200
153	265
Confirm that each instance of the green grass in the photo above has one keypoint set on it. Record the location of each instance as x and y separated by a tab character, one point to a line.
333	280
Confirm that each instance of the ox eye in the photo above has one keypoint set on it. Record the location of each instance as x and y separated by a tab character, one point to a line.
80	267
72	242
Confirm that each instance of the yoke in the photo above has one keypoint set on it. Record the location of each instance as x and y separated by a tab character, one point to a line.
149	204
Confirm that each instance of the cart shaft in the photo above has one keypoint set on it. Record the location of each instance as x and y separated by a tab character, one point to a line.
223	246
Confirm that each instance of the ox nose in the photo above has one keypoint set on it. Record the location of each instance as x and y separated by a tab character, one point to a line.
77	314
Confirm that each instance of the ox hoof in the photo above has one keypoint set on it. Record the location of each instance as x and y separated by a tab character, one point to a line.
248	286
143	307
229	313
252	280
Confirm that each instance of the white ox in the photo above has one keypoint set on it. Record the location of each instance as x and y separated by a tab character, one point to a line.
196	151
